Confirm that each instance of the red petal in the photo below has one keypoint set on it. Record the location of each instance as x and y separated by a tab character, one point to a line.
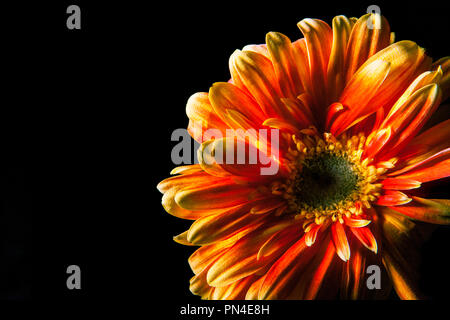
366	237
376	142
400	184
340	241
392	198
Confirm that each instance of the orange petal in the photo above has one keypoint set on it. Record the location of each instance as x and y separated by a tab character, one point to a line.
296	110
406	61
336	75
216	227
229	156
431	141
392	198
444	83
356	222
334	110
435	211
400	184
225	96
169	204
357	94
364	42
184	181
205	255
285	66
340	241
199	286
277	283
202	115
277	240
300	53
182	239
411	116
258	48
223	195
235	291
433	168
311	235
281	125
366	237
318	35
187	169
424	79
252	293
258	76
376	142
241	259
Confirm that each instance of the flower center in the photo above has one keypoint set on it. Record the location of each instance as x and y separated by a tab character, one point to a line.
325	180
327	177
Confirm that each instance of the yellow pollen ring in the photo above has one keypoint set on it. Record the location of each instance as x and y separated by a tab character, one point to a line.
350	148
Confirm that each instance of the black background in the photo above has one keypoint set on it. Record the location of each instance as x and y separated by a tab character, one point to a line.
90	113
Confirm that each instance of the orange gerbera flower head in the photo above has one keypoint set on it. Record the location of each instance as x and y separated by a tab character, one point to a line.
340	115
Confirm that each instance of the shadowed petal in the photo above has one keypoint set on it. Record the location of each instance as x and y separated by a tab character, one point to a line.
435	211
366	237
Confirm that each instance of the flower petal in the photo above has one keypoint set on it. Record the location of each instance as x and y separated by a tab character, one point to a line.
311	235
342	27
217	227
400	184
202	116
318	35
218	196
356	222
406	60
340	241
366	237
283	60
258	48
427	143
258	76
364	41
241	259
252	293
392	198
433	168
169	204
234	291
277	283
225	96
377	141
435	211
357	94
444	83
182	239
410	117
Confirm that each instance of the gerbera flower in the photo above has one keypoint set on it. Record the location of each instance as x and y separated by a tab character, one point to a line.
350	105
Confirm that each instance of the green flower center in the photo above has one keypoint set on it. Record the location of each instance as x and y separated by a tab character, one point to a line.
325	180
